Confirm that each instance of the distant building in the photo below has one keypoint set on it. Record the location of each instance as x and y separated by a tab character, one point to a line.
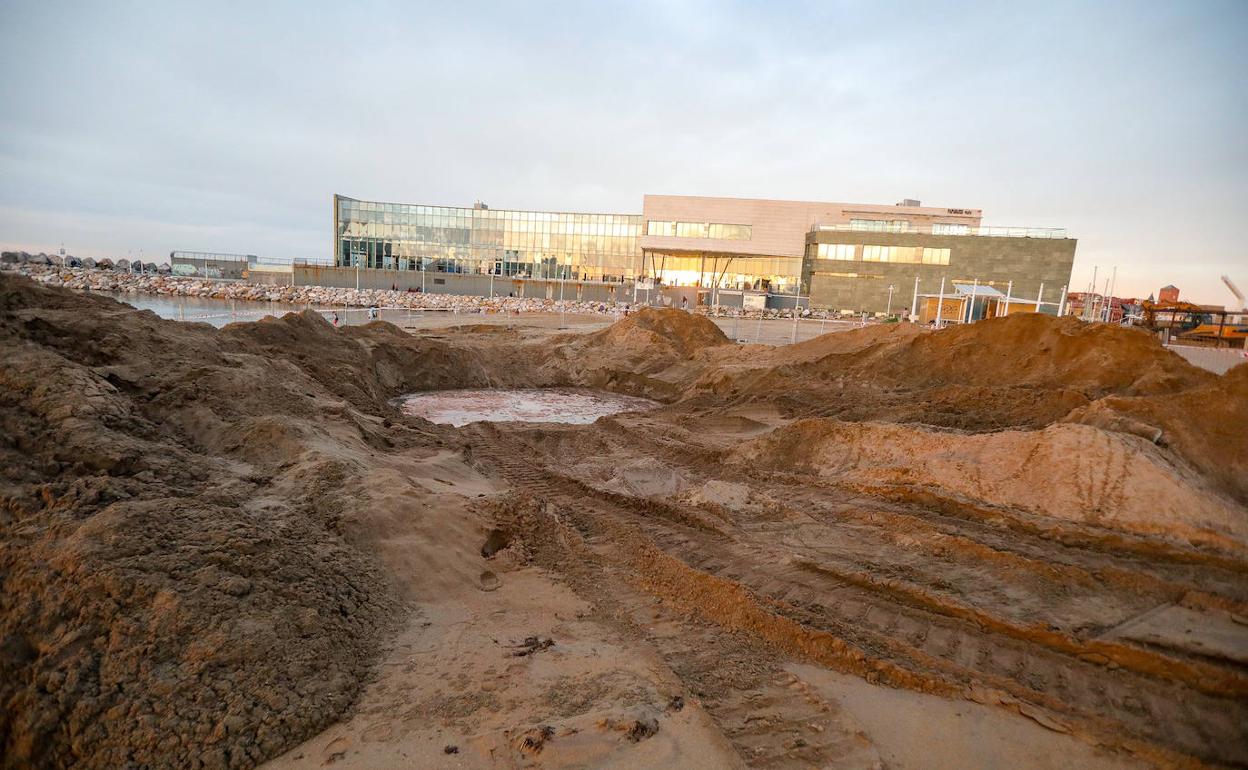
728	251
1098	307
1168	294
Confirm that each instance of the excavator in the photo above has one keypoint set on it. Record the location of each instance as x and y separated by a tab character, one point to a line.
1198	324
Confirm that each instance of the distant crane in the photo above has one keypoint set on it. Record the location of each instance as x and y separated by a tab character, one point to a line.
1239	295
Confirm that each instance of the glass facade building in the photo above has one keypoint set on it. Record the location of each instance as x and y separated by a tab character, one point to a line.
485	241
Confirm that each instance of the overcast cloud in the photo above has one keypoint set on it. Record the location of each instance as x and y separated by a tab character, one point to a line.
228	127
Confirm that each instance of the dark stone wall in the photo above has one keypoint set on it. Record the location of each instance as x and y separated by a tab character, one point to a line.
995	261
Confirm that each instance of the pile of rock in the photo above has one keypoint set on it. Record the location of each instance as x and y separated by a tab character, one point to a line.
124	277
26	259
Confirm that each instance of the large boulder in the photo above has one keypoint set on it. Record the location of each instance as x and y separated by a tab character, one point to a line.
40	259
121	264
10	258
104	263
88	262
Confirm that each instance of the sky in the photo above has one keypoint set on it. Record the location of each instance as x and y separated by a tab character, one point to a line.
131	128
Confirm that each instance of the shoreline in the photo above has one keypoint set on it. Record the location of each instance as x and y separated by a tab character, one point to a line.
118	282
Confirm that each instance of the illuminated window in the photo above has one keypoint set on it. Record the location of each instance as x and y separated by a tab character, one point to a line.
935	256
660	228
880	225
730	232
844	252
895	254
943	228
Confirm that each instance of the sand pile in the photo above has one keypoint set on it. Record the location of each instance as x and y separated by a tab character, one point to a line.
1207	425
1040	351
676	329
1074	472
177	586
651	353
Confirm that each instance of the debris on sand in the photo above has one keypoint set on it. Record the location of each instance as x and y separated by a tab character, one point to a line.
531	645
533	740
634	729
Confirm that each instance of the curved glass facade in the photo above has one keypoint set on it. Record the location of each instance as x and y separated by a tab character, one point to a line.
479	240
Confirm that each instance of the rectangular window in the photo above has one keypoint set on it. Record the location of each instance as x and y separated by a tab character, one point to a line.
844	252
660	228
935	256
690	229
730	232
943	228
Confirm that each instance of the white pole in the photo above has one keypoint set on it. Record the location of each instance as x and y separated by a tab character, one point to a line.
1090	303
1009	289
914	304
1061	303
940	308
970	314
1039	296
562	325
888	311
1105	302
491	284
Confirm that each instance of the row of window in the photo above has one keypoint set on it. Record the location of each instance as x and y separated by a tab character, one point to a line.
370	211
700	230
881	225
912	255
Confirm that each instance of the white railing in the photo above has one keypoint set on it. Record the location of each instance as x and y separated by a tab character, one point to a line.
997	232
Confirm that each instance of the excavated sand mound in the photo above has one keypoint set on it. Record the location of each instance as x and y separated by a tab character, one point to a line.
684	332
195	569
175	587
1074	472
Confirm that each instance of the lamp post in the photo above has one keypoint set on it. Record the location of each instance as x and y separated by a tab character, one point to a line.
888	312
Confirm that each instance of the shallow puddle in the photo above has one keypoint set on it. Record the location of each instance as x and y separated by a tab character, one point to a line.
566	405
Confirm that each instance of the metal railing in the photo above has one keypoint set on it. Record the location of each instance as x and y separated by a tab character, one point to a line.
908	228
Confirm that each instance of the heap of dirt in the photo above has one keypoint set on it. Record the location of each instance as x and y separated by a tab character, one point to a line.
684	332
1205	424
652	353
1113	480
1040	351
1025	370
179	585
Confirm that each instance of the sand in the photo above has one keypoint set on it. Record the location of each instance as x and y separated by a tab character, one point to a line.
1019	543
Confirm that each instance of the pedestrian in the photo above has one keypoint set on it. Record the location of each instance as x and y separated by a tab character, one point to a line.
335	318
684	303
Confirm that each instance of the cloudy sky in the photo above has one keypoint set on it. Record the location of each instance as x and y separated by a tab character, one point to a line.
228	127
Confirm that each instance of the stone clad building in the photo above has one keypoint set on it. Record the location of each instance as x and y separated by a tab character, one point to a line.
848	270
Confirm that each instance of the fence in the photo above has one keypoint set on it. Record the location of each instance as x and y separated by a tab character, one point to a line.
1216	360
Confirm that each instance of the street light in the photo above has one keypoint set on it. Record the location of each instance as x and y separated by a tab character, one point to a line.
888	313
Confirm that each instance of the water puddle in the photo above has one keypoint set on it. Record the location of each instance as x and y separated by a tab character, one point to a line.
574	406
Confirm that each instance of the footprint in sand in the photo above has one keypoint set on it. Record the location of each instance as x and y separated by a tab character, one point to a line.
488	581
